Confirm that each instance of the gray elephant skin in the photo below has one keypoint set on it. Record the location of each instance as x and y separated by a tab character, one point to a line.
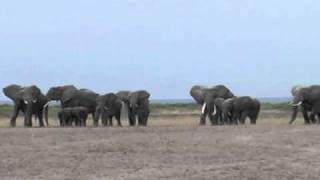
70	96
28	100
138	106
109	106
76	115
308	99
235	110
205	96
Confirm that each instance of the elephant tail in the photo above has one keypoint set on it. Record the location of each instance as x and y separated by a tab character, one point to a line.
124	111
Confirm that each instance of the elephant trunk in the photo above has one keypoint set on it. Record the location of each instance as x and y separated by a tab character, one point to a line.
124	111
28	115
294	114
97	115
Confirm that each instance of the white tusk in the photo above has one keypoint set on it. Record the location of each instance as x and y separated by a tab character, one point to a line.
47	104
204	108
298	104
215	110
26	102
106	108
34	101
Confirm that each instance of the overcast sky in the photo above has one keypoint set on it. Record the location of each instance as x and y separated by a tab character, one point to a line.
256	47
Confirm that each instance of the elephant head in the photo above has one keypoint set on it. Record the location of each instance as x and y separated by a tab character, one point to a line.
61	93
137	98
27	96
301	95
124	96
227	107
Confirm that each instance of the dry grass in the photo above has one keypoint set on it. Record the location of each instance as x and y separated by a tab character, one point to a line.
172	147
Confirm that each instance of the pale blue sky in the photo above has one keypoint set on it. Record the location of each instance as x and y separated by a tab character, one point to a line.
256	47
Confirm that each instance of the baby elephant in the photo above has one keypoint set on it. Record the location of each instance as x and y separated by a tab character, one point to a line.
76	115
235	110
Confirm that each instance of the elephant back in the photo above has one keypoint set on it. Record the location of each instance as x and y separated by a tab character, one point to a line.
223	92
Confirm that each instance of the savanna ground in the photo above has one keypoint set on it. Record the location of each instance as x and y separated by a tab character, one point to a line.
173	146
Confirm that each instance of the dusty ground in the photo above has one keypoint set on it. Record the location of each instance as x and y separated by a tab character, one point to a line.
170	148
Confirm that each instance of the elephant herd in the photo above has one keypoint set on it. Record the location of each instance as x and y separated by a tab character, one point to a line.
221	106
218	103
77	104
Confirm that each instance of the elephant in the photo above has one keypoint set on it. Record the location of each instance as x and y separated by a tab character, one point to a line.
138	106
109	106
218	114
205	96
28	100
237	109
78	115
308	98
70	96
226	110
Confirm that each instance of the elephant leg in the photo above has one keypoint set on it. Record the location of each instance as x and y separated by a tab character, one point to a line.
313	118
253	119
132	119
220	120
203	119
14	116
85	120
146	118
305	115
95	120
243	117
235	118
142	118
318	118
119	121
110	121
40	117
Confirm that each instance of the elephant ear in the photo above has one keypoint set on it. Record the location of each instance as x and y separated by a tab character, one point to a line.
68	93
142	95
198	93
295	90
12	91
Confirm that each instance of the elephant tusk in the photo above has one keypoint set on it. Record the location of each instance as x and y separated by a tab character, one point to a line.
34	101
47	104
298	104
26	102
105	108
215	110
204	108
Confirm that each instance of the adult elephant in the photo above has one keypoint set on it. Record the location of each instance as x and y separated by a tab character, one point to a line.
308	98
237	109
70	96
138	106
205	96
28	100
109	106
